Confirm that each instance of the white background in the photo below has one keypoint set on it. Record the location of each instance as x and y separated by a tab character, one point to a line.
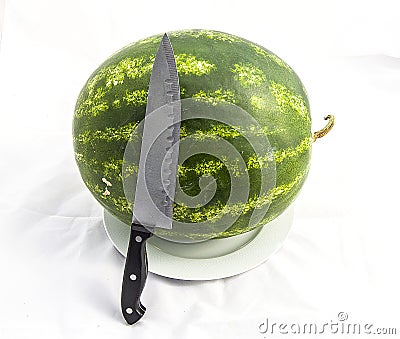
60	276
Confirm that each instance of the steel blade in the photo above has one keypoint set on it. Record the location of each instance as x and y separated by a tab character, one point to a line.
157	174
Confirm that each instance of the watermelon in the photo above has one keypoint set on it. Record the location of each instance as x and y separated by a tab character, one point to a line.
213	67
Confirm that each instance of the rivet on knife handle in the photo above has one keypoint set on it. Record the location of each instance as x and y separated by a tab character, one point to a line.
135	275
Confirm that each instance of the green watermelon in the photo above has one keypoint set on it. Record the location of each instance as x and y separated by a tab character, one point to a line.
214	67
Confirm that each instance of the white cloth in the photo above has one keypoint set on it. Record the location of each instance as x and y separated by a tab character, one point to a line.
60	275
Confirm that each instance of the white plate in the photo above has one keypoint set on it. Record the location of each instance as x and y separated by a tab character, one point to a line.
208	260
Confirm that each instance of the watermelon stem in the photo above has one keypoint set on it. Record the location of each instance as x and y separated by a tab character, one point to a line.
324	131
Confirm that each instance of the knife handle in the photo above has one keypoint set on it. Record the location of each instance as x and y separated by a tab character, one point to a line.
135	274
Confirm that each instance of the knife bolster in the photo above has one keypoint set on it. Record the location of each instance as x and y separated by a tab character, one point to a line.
139	228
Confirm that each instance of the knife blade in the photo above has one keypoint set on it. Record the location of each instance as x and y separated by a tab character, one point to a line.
157	175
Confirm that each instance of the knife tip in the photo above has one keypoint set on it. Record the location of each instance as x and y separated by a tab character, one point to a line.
165	37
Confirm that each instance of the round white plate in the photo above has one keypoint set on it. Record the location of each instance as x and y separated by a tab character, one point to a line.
208	260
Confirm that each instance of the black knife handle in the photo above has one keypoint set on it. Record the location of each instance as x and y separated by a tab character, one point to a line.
135	274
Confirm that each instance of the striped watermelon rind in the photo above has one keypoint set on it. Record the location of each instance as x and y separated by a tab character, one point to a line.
214	67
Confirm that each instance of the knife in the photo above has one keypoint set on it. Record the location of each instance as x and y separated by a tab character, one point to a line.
157	175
